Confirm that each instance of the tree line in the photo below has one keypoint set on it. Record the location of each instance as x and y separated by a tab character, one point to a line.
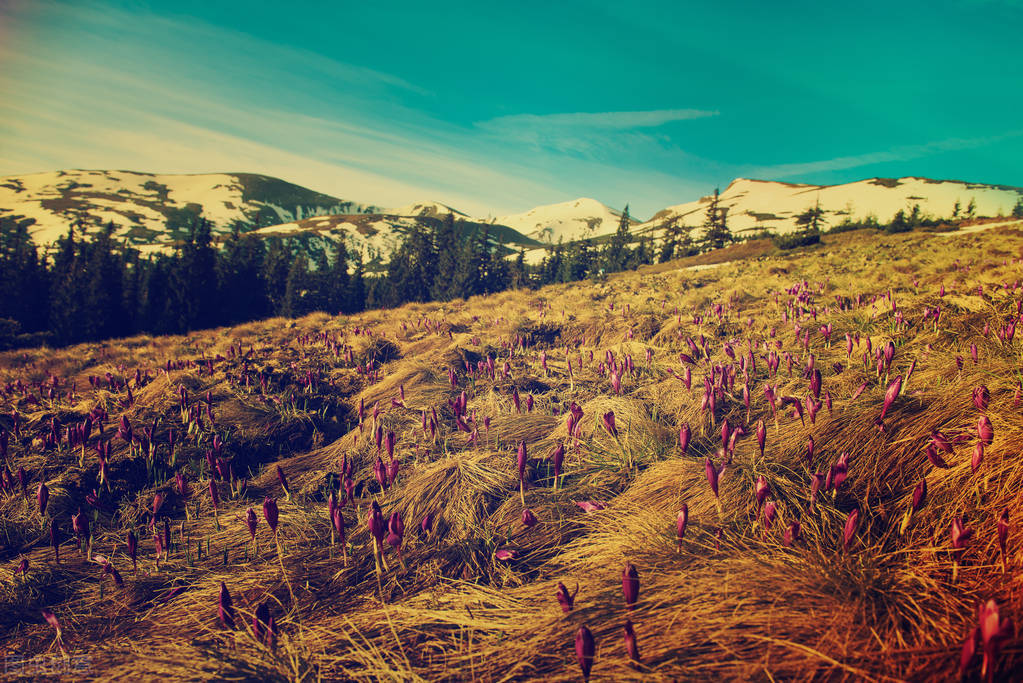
88	287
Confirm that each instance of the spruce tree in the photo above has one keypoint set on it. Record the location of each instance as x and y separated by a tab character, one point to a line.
448	250
715	223
339	279
296	291
355	298
616	254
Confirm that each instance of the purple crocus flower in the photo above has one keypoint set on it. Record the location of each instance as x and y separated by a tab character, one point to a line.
852	522
271	513
251	521
985	432
609	423
630	642
42	496
566	599
528	519
630	585
585	649
712	475
681	523
224	607
685	434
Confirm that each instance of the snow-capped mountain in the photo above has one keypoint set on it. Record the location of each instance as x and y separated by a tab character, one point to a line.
140	204
755	205
578	219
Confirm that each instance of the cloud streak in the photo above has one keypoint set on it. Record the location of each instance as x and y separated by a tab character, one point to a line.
588	133
898	154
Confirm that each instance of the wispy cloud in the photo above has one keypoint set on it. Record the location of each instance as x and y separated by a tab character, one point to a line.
585	132
902	153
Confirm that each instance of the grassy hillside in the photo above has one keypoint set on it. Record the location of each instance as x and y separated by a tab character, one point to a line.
860	590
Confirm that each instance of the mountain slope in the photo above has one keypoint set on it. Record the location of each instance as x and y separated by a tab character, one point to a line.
378	235
755	205
577	219
140	204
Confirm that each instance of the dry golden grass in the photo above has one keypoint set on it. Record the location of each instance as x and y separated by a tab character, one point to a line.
731	601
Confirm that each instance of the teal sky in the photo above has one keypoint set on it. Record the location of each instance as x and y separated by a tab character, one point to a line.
495	109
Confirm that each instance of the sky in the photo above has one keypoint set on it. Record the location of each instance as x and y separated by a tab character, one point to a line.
494	108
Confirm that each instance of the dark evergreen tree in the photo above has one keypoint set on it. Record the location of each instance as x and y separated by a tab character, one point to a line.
715	224
518	270
275	274
355	298
616	254
448	250
297	301
104	292
67	310
339	279
1017	210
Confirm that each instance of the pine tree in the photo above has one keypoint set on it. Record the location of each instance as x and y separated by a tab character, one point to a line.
339	279
971	209
616	254
669	243
275	274
715	223
67	311
1017	211
296	291
104	293
811	220
447	248
355	298
518	269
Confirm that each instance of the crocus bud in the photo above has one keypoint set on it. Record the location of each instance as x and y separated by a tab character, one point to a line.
769	511
609	423
566	599
935	458
559	458
985	432
891	394
260	619
762	489
791	534
528	519
270	512
427	522
959	534
681	523
919	495
375	522
224	608
42	496
712	475
981	397
685	434
395	530
284	482
978	456
585	648
251	521
761	436
630	584
852	522
630	641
